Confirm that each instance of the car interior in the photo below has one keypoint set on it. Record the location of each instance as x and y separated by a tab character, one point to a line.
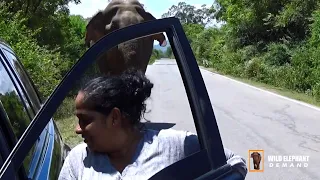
209	163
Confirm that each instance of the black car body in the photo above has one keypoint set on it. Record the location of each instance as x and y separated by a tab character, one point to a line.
19	103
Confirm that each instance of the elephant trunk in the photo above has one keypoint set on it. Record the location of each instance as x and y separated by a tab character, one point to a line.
137	52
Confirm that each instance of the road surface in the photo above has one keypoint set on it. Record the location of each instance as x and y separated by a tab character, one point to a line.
248	119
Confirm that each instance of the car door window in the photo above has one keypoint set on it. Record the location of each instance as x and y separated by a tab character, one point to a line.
23	76
15	109
156	117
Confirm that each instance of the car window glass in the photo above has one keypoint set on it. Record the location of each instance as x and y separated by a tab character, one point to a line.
167	107
24	78
15	109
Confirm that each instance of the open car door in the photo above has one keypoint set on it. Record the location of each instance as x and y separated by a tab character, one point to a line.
209	163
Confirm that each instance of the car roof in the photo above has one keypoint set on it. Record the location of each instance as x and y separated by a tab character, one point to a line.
5	45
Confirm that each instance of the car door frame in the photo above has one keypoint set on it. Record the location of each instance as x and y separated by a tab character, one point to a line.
201	108
39	150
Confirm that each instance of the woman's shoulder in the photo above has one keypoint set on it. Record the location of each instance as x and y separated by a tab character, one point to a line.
81	147
73	162
79	152
170	134
167	133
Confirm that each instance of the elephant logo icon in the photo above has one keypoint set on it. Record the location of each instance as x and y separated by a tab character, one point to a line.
256	162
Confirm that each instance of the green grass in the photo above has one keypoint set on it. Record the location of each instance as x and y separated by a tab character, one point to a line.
67	127
281	91
152	60
67	121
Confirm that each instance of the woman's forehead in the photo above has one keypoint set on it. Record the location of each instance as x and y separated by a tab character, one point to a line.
79	101
83	112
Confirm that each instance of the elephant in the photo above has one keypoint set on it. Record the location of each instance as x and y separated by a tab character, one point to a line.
135	53
256	160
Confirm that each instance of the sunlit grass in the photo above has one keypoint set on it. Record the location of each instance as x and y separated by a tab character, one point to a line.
67	129
67	121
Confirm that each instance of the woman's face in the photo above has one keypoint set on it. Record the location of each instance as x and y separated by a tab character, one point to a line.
100	132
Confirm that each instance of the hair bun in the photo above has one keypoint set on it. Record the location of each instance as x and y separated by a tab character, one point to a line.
139	85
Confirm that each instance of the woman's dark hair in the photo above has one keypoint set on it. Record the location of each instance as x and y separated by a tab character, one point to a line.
127	92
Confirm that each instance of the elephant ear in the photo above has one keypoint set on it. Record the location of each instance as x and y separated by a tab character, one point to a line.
94	28
148	17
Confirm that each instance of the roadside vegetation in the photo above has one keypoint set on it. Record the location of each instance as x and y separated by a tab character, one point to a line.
270	44
48	41
158	54
273	44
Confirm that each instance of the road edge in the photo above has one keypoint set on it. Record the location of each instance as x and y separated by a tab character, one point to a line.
263	90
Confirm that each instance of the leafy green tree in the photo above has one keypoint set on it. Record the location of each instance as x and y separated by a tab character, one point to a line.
43	65
168	53
156	54
253	22
47	18
188	14
315	29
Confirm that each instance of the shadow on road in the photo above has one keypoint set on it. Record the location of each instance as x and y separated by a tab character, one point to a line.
158	126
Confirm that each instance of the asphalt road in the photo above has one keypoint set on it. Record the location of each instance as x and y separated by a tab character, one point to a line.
248	119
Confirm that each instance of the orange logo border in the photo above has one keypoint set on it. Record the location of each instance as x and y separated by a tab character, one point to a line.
262	160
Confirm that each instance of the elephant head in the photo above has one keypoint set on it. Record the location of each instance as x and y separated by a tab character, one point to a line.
135	53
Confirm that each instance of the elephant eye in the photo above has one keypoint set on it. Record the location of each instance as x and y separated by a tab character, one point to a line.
114	25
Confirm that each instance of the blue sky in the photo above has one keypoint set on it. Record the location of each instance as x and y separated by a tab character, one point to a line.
88	8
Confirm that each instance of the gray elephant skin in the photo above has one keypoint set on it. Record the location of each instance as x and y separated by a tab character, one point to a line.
135	53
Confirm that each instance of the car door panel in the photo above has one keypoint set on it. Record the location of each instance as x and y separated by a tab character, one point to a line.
46	161
39	151
4	149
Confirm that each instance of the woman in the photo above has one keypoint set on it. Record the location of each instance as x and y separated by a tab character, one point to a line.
109	110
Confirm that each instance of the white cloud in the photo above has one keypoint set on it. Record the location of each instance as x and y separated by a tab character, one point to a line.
87	8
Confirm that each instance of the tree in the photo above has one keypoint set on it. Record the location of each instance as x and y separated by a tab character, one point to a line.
45	17
46	67
250	22
168	53
188	14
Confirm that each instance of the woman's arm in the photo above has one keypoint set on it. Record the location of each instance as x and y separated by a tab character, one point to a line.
236	161
191	145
